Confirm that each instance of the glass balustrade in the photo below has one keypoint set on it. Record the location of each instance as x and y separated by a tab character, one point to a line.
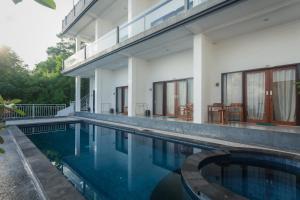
149	19
106	41
76	58
204	4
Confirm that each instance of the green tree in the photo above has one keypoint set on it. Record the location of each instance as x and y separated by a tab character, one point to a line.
45	84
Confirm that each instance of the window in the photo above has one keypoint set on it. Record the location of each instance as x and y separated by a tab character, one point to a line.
233	88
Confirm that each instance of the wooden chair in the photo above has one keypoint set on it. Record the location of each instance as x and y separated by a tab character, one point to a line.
216	109
185	112
235	112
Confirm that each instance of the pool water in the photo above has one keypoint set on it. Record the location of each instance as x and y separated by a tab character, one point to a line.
107	163
255	181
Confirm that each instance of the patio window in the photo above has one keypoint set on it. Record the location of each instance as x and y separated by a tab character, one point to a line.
232	88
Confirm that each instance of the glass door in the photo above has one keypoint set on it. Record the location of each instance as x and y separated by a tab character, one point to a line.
271	95
170	99
256	96
125	100
158	98
122	100
181	97
283	93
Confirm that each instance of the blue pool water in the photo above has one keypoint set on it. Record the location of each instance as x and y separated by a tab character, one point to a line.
107	163
255	181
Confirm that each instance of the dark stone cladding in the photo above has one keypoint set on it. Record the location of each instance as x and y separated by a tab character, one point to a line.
278	139
199	188
47	178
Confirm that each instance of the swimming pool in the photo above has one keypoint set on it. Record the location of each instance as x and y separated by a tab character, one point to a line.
109	163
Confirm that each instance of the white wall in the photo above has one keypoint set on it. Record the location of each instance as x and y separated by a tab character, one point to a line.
266	48
170	67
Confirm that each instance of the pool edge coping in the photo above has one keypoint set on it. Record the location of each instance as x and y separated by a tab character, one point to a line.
47	179
200	188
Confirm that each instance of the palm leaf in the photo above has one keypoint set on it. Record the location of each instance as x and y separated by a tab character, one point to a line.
16	1
47	3
15	101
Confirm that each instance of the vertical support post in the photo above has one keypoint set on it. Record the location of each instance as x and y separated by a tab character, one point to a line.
131	86
201	64
77	94
186	4
33	111
118	35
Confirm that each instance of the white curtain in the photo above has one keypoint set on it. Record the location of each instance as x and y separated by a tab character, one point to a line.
171	98
158	88
182	93
233	87
119	99
284	95
126	97
190	91
256	95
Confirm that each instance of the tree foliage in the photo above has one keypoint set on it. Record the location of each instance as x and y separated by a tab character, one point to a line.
45	84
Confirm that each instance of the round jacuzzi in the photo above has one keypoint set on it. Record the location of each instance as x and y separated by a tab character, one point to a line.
242	174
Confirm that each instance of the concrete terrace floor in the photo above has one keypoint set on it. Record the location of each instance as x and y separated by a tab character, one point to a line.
15	181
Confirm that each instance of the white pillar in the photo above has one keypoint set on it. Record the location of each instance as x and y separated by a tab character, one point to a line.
91	90
77	139
132	68
77	94
103	93
201	65
77	43
137	91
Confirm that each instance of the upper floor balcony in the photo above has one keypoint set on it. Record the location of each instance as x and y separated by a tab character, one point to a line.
154	16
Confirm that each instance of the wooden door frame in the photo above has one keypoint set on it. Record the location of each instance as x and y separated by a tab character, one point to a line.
165	94
122	98
271	103
244	97
267	106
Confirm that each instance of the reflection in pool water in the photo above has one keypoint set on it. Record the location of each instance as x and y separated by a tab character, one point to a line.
106	163
254	181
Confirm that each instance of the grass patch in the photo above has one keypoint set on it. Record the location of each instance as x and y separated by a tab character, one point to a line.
2	151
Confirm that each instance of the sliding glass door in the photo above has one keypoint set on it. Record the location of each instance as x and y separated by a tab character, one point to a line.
158	98
283	92
271	95
122	100
256	91
267	95
170	96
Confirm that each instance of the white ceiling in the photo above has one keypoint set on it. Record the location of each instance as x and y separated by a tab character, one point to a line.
245	17
85	26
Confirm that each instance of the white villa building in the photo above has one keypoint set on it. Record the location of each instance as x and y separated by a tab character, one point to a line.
176	56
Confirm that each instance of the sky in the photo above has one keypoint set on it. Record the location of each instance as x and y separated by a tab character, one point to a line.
28	28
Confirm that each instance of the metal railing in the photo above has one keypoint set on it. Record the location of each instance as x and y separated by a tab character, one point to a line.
140	108
78	8
151	18
51	128
33	111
